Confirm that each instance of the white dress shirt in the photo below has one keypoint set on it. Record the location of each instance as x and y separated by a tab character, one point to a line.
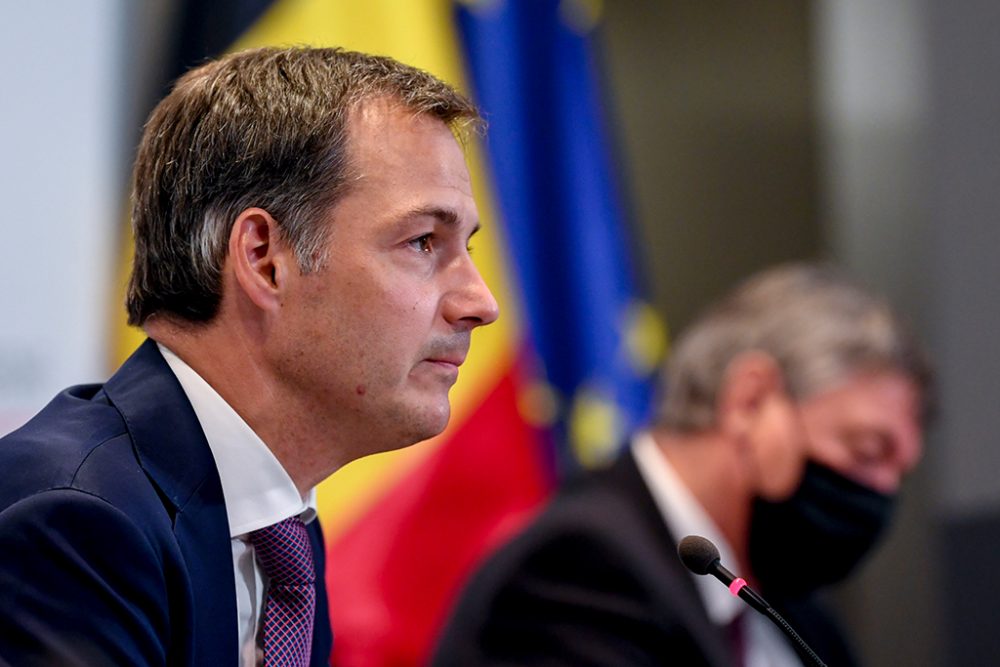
257	491
764	645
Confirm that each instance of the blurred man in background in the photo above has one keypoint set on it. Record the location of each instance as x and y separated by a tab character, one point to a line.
794	408
302	221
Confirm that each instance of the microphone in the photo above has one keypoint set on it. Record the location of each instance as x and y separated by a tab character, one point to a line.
702	557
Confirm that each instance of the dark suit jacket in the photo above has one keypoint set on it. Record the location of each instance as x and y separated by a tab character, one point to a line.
114	541
596	580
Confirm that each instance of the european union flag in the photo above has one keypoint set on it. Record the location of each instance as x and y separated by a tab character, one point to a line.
534	74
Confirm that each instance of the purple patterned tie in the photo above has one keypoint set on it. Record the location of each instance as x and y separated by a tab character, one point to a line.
284	551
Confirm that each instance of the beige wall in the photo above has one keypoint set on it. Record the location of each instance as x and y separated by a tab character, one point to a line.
714	104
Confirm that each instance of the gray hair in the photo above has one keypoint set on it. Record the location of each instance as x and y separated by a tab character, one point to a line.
261	128
818	326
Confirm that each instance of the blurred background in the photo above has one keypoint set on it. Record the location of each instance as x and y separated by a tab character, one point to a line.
741	134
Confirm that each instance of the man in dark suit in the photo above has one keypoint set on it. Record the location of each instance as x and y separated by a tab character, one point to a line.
793	410
302	220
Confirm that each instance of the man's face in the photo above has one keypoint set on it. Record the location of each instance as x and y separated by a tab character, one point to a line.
781	448
375	337
867	428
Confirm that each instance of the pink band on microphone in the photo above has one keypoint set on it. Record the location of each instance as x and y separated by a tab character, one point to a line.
737	585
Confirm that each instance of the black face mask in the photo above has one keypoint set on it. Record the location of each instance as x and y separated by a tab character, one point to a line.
817	536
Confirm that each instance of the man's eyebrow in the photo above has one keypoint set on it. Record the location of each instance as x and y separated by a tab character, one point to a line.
445	216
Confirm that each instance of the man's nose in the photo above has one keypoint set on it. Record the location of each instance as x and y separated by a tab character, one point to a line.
471	302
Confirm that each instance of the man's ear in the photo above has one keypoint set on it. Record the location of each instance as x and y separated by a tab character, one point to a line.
750	379
260	261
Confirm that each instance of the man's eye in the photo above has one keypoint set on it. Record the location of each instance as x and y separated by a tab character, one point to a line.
422	243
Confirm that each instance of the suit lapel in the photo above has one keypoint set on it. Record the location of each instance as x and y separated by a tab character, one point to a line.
625	478
322	642
173	451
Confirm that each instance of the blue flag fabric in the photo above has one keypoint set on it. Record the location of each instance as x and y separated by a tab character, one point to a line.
534	74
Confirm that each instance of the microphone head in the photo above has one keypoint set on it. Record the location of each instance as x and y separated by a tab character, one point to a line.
697	553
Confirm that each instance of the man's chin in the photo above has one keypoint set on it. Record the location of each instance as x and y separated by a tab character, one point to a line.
437	426
426	422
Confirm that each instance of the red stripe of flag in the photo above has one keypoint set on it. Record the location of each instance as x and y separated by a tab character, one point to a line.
412	550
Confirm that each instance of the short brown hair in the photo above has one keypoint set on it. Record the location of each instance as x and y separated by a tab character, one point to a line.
266	128
817	324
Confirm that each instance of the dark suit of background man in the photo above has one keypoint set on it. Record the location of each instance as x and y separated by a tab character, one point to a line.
796	366
302	220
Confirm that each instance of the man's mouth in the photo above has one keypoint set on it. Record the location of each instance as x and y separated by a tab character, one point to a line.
456	359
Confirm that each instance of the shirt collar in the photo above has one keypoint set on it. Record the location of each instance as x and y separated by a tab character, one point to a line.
684	515
257	489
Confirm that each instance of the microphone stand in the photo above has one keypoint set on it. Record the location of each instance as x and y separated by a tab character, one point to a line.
702	557
737	586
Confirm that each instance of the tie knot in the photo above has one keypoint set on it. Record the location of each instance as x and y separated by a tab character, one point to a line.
284	552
